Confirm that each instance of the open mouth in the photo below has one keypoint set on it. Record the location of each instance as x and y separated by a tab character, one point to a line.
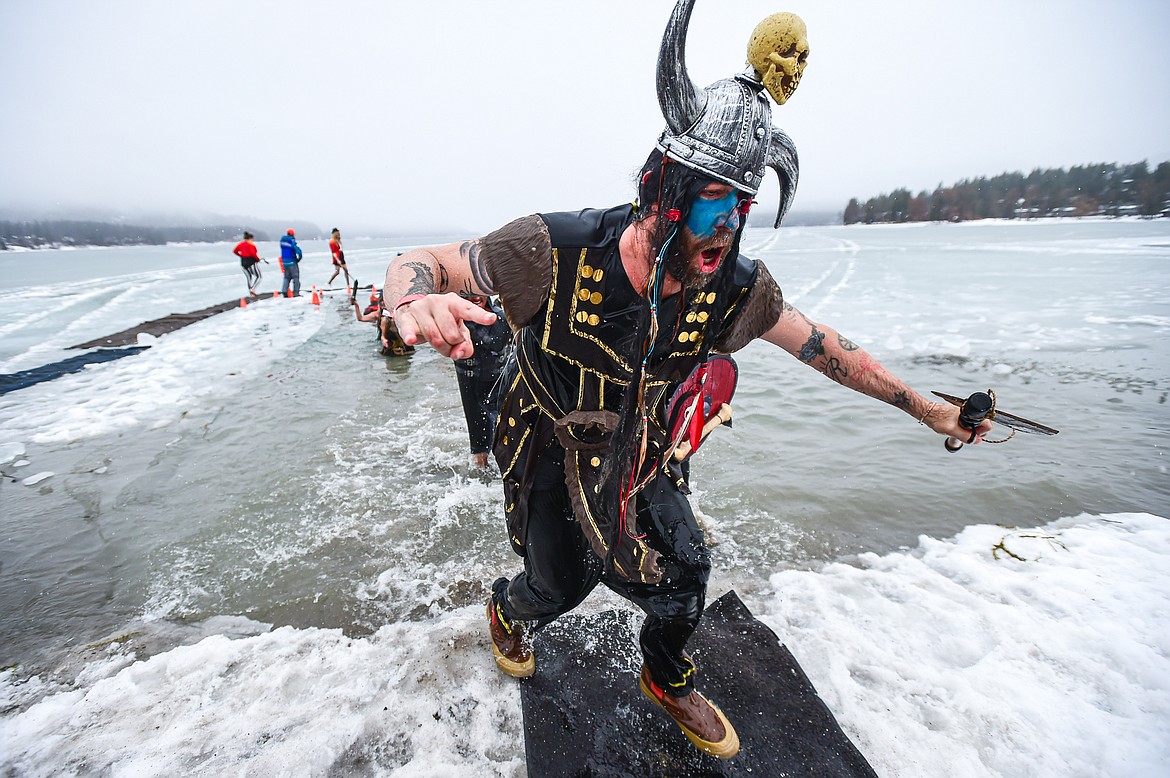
710	258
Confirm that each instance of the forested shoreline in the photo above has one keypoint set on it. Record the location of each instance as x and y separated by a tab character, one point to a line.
57	233
1089	190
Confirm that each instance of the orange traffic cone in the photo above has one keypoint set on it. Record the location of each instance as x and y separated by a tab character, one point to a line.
275	295
316	299
243	302
290	293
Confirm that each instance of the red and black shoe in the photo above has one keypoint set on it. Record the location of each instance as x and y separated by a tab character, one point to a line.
701	721
509	645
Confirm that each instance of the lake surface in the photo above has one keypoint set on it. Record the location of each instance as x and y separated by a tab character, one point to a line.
260	525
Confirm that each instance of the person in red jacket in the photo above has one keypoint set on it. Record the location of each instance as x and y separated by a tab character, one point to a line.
249	259
338	257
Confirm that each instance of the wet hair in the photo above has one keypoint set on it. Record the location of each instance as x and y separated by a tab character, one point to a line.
336	230
248	235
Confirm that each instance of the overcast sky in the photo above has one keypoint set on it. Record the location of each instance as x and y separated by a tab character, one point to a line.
465	113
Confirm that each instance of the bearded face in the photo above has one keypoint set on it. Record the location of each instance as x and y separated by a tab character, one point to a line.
693	261
702	243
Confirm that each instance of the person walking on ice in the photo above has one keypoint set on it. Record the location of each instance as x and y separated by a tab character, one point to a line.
338	257
249	259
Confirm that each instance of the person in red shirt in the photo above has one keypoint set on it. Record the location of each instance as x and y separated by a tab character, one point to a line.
338	257
249	259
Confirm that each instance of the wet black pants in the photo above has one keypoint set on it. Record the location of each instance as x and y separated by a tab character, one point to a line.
479	406
560	569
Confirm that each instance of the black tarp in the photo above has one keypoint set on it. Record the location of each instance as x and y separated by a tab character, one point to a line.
12	381
108	346
161	326
171	323
584	715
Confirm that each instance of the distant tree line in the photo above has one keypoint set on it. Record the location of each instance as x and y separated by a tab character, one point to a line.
63	232
1090	190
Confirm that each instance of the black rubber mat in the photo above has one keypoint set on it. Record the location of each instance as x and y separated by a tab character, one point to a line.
585	716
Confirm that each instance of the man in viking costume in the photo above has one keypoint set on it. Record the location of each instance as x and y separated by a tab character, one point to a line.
613	310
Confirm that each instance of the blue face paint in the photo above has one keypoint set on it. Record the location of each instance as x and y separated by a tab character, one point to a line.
707	215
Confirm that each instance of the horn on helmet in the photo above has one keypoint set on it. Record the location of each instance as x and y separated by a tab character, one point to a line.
782	158
681	101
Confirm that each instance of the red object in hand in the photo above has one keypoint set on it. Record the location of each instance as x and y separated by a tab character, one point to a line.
713	384
695	433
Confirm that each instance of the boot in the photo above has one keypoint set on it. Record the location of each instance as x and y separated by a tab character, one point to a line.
702	723
512	652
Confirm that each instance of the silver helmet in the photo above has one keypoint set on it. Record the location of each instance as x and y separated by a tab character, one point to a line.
724	131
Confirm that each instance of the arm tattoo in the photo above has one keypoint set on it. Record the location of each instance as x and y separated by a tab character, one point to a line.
901	400
444	279
814	347
470	250
423	281
846	344
835	370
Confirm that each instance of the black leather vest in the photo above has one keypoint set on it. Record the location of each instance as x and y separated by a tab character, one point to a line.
576	360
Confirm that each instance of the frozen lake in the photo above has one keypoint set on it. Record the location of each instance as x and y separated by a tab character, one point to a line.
257	547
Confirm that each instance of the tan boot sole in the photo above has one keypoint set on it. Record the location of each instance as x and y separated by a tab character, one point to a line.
509	666
724	749
514	669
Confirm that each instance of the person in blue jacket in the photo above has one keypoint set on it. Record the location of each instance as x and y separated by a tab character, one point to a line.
290	260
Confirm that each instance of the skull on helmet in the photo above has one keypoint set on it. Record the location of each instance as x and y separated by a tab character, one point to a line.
778	50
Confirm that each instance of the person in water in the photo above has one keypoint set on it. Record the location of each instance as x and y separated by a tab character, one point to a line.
613	310
290	262
390	342
250	260
338	257
479	378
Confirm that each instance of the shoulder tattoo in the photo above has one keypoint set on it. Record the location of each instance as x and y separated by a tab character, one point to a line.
422	279
470	251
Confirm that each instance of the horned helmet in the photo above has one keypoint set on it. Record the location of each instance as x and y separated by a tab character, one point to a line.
725	130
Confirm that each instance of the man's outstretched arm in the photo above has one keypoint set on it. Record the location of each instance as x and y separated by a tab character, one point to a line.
842	360
422	292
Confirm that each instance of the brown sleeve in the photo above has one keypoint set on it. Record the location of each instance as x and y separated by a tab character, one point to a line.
757	313
518	259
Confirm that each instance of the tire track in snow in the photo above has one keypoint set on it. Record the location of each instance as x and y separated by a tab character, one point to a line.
851	250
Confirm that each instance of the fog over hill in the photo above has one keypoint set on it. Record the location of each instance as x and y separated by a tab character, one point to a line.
77	226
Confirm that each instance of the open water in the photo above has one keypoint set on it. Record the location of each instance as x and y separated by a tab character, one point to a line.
257	547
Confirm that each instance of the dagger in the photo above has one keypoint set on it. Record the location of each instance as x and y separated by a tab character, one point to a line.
980	406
